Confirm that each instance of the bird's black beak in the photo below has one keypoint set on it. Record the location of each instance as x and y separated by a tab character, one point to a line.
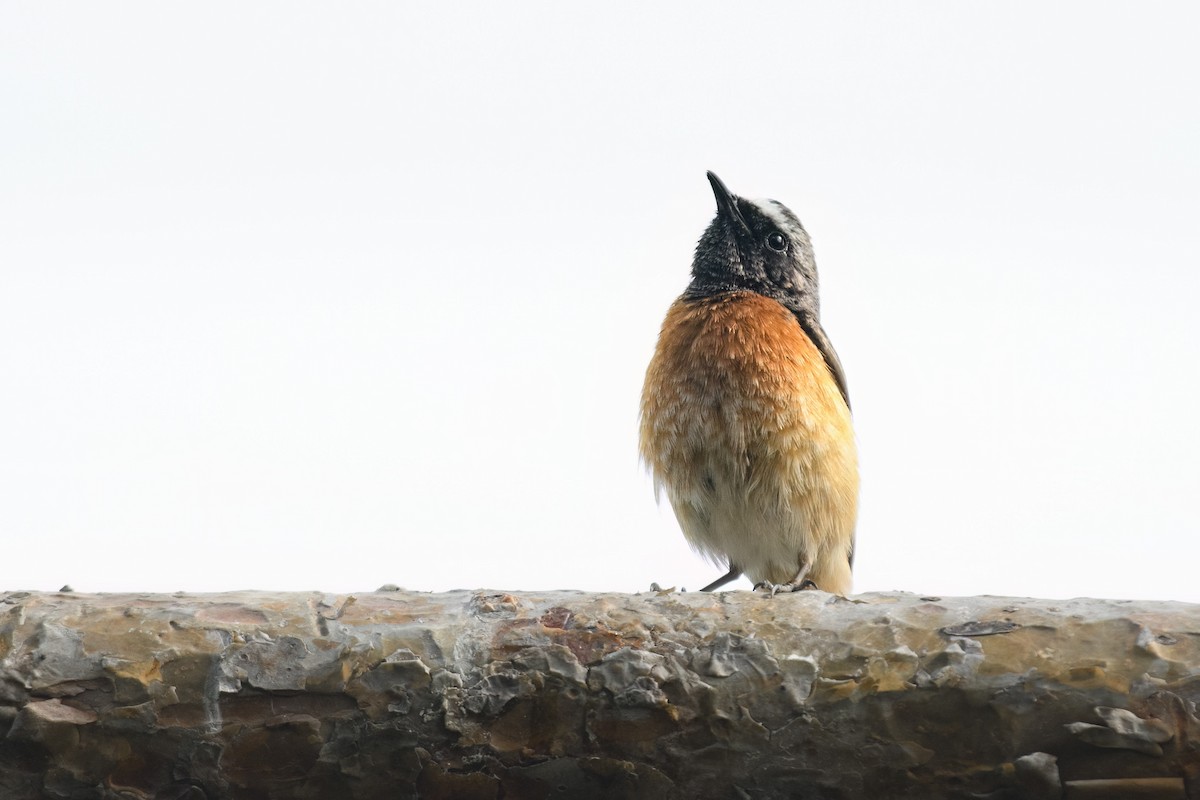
726	202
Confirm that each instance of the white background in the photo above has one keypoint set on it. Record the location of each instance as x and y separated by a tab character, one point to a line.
305	296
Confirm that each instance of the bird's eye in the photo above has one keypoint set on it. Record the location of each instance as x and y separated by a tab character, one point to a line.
777	242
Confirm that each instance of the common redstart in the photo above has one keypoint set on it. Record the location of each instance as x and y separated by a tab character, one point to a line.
745	417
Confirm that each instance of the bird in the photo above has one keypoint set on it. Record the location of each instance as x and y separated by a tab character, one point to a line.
745	419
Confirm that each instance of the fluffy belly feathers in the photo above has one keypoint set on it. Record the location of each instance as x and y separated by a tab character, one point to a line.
745	430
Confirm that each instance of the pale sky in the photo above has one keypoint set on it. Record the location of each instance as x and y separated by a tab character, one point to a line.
299	296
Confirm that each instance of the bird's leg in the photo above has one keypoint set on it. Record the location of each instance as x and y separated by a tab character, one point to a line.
734	573
798	582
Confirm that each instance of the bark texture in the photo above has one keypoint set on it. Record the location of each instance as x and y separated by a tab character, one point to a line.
570	695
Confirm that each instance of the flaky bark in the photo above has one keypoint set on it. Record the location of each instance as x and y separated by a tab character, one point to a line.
565	694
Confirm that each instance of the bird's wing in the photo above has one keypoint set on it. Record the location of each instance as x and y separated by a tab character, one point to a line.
812	327
816	333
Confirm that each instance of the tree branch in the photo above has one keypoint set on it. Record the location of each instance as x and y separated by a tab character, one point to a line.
565	694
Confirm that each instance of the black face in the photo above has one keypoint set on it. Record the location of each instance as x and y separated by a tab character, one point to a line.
757	246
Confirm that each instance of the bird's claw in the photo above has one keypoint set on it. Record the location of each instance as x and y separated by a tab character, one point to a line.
790	586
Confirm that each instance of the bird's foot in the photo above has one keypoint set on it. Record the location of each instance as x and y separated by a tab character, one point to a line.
791	586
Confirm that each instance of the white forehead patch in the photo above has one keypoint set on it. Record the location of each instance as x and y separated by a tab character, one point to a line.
781	215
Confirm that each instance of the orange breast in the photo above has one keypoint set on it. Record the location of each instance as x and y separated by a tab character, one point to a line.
744	428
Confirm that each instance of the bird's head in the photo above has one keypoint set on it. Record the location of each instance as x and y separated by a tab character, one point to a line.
755	245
